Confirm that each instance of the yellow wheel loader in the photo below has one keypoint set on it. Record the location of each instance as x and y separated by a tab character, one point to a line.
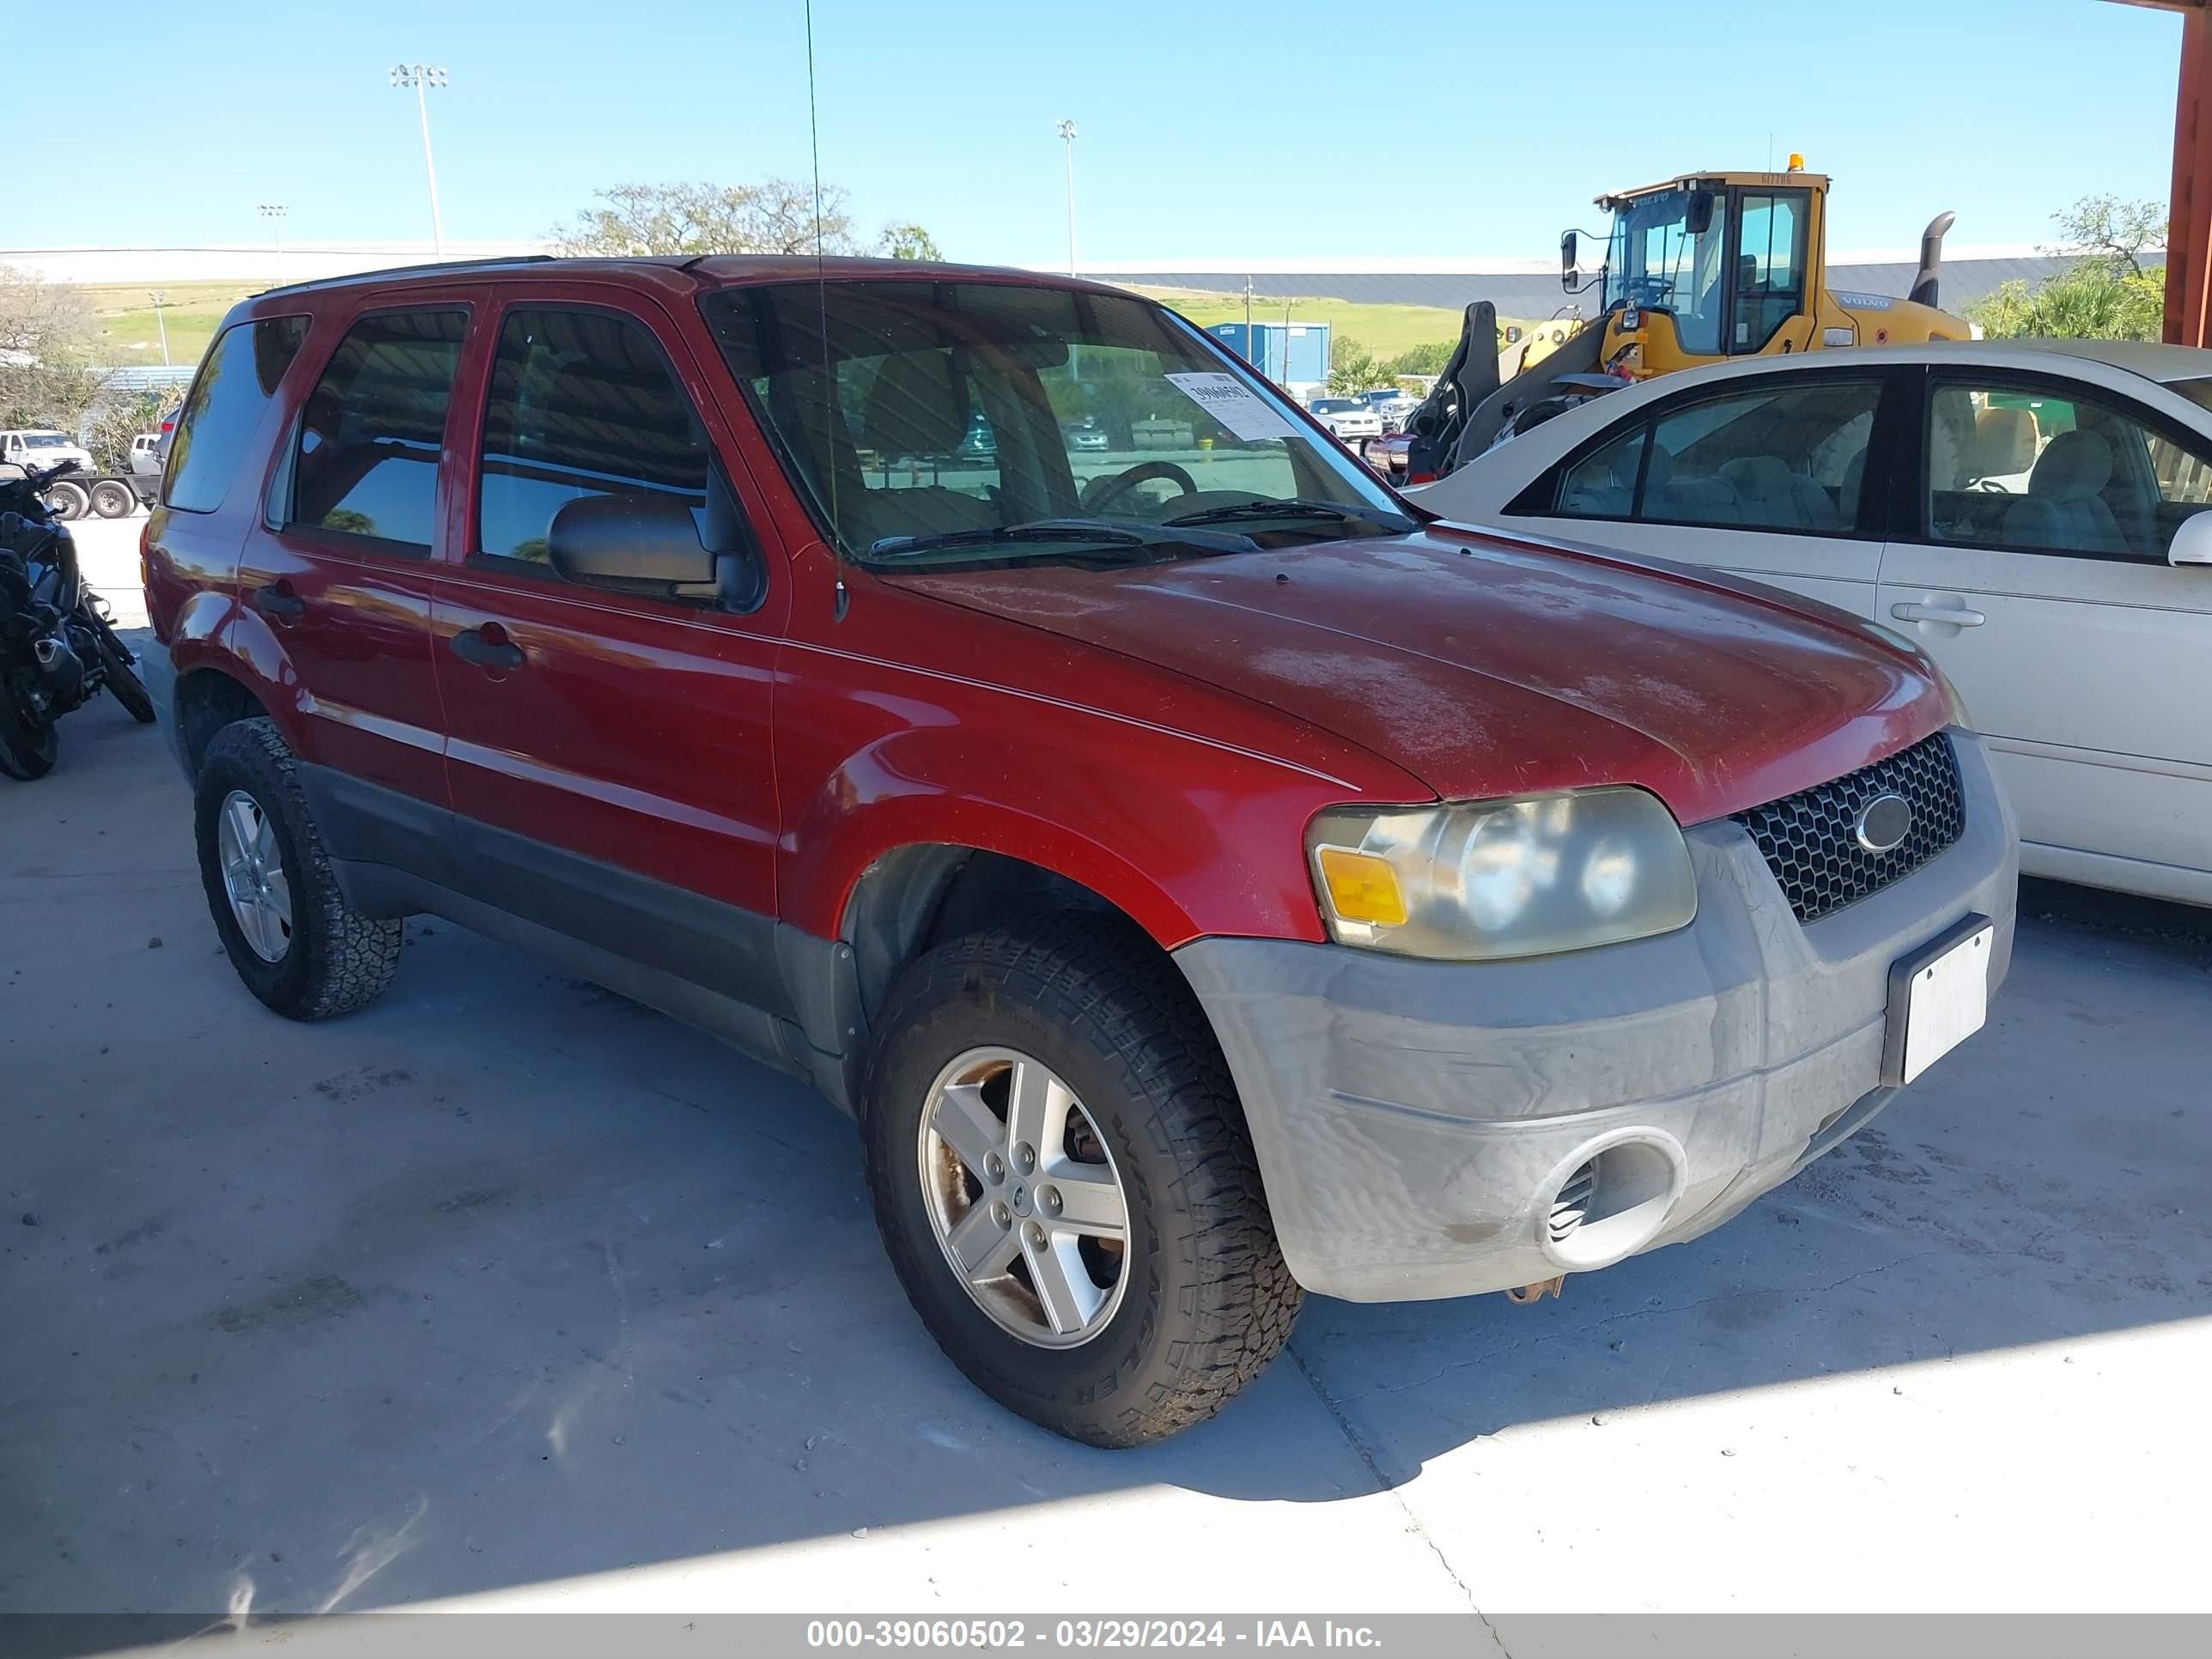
1699	269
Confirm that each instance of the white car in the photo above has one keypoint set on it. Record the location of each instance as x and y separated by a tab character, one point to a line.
2031	514
40	447
1347	417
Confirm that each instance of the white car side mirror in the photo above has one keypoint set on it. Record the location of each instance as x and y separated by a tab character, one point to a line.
2192	540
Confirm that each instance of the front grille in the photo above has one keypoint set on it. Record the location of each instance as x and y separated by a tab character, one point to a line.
1814	850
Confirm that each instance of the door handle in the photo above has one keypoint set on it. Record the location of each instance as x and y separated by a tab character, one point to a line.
488	647
278	603
1957	614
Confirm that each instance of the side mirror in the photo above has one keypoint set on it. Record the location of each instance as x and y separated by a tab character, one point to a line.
1569	260
629	538
1699	219
2192	540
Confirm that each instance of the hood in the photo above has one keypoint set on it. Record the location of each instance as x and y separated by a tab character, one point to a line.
1488	666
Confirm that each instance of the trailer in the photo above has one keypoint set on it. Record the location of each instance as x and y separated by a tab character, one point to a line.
89	489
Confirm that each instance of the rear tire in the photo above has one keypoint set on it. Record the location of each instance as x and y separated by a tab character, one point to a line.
1203	1299
112	499
122	677
28	742
68	500
331	959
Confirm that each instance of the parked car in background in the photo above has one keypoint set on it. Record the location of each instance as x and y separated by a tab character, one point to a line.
42	447
146	455
1084	436
1203	880
1347	417
2030	513
1387	454
1391	405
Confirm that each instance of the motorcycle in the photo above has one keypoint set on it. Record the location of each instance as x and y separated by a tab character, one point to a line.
58	648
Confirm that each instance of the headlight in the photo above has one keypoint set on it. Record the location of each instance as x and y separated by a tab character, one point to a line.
1481	880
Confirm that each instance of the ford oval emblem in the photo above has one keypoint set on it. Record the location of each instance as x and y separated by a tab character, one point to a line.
1883	823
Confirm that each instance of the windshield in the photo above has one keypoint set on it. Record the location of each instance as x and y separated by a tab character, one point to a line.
45	440
1653	261
942	429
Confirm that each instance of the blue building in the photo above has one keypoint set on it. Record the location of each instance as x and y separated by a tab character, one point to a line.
1289	354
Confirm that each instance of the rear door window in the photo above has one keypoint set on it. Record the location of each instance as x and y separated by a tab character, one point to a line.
227	403
365	461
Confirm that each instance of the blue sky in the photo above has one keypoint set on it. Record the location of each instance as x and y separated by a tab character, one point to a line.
1200	136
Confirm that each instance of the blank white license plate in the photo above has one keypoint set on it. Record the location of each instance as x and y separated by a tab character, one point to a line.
1945	999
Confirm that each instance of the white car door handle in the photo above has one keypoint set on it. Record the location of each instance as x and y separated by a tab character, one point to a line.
1957	614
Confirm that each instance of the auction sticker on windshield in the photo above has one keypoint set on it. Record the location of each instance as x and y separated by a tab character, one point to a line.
1235	404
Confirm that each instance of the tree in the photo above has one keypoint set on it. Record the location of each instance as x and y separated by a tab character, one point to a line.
909	241
1353	368
777	216
46	337
2105	295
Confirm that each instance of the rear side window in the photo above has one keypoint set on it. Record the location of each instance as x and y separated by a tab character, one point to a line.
365	462
1788	459
226	405
583	404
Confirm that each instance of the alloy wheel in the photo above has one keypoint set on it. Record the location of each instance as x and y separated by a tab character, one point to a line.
1024	1198
253	876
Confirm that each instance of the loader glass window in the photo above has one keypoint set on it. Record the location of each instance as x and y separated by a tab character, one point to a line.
1657	261
1769	268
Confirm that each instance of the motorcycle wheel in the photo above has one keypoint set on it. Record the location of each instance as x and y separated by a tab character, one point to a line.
27	741
121	679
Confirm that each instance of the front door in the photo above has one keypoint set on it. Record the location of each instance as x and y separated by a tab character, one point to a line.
1769	482
2038	580
608	736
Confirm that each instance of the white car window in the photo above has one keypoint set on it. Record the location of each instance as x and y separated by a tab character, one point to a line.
1788	458
2043	469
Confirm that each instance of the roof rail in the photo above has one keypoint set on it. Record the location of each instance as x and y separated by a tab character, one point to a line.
405	270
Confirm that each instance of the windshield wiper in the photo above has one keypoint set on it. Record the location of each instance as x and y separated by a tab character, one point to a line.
1291	507
1074	535
1045	530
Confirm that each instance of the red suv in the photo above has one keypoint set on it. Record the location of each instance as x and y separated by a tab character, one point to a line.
1201	876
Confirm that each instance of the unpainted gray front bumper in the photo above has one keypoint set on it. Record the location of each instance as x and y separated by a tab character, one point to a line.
1413	1120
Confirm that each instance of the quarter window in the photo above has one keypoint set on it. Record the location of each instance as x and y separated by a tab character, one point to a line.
583	404
1788	459
225	408
2045	470
365	460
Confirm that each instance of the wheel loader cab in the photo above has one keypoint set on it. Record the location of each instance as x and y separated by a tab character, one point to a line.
1702	268
1710	266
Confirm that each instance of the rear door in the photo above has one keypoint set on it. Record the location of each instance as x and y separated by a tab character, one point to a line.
2034	571
337	571
608	736
1765	477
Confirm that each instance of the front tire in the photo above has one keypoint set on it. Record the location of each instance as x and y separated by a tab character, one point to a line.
121	676
295	942
1114	1320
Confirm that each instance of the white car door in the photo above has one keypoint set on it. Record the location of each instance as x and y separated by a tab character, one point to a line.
2045	594
1763	478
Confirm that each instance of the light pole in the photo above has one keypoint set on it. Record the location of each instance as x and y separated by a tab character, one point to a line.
160	299
420	78
274	212
1067	134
